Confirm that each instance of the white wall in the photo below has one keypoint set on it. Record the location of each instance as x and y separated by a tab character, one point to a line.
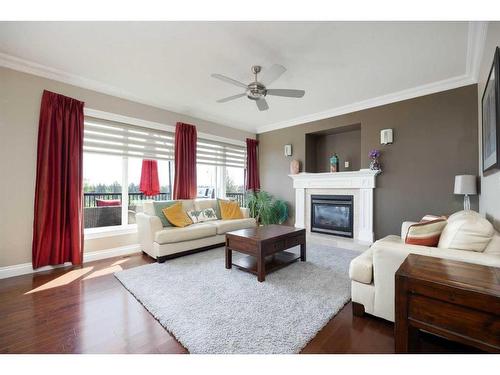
489	199
20	96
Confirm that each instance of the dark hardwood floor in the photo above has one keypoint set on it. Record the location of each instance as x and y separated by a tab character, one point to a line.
86	310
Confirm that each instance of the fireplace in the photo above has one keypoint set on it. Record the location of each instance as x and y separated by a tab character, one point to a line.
332	214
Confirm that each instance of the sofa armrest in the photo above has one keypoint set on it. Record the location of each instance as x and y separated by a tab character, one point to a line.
388	255
147	226
245	211
404	228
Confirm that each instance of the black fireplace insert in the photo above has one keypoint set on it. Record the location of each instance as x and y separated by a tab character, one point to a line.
332	214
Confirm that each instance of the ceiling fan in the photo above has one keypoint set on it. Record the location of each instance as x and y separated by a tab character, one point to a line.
257	90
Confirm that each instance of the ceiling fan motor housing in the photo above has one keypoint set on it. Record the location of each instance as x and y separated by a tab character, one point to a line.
256	91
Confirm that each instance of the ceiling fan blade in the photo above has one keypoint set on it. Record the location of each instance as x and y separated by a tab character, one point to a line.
286	92
262	104
229	80
272	74
224	100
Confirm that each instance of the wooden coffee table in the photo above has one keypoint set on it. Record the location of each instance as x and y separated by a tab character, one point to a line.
265	247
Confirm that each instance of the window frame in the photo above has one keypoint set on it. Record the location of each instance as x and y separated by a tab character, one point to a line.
111	230
116	230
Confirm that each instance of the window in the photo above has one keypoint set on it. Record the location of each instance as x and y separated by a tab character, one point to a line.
112	163
220	170
135	197
102	190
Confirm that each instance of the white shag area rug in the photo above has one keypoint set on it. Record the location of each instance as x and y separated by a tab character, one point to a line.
210	309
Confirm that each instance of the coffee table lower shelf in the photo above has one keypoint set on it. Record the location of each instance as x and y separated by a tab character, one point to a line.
273	262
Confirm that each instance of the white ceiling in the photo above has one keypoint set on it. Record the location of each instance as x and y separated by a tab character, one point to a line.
341	65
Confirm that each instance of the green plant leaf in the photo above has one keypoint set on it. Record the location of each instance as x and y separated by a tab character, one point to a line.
265	208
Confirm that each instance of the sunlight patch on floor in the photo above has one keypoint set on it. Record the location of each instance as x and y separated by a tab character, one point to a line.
65	279
104	271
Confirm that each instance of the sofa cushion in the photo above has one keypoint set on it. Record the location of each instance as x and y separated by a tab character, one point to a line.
192	232
201	204
404	228
176	216
361	267
425	233
466	230
224	226
230	210
200	216
158	207
494	245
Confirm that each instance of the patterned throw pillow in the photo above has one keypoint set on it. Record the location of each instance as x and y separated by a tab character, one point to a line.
199	216
176	215
425	233
432	217
209	214
196	216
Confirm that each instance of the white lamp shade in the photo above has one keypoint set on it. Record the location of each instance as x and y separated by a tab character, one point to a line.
465	184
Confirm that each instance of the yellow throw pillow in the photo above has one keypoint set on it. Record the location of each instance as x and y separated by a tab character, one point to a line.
230	210
176	216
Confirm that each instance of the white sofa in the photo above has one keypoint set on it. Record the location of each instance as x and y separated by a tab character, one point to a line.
372	272
162	243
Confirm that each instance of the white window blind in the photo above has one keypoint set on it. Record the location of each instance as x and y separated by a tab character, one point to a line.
116	138
219	153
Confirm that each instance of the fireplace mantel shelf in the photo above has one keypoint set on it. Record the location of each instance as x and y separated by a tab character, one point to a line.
362	181
361	172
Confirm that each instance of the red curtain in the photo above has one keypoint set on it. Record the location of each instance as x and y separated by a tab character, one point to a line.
185	161
252	179
58	221
150	184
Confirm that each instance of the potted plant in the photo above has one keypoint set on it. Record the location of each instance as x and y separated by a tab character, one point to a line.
265	208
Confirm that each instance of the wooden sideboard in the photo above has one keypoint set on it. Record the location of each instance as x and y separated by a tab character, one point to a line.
455	300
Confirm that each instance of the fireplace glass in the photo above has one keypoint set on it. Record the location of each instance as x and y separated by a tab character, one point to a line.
332	214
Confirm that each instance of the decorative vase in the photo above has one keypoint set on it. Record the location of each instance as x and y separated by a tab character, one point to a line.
375	165
334	163
294	167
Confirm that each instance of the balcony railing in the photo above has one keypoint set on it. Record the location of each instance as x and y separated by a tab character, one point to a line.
90	199
103	216
240	197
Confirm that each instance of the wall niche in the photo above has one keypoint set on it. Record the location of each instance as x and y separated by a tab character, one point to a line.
345	141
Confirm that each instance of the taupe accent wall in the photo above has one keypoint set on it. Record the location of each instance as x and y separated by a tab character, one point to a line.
435	138
20	96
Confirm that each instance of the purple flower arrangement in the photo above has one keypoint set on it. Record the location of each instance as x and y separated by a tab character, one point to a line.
374	164
374	154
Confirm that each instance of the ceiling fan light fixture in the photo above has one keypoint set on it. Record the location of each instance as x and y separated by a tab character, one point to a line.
256	90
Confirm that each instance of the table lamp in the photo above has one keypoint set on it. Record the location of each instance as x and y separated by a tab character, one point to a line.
465	184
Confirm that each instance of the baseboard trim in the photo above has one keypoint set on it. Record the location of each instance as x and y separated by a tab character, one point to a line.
26	268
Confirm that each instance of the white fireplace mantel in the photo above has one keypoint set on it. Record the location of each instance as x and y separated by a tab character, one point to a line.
362	182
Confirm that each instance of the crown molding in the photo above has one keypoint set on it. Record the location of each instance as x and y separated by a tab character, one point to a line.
26	66
476	38
430	88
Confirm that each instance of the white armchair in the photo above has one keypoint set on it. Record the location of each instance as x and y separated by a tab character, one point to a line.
372	273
